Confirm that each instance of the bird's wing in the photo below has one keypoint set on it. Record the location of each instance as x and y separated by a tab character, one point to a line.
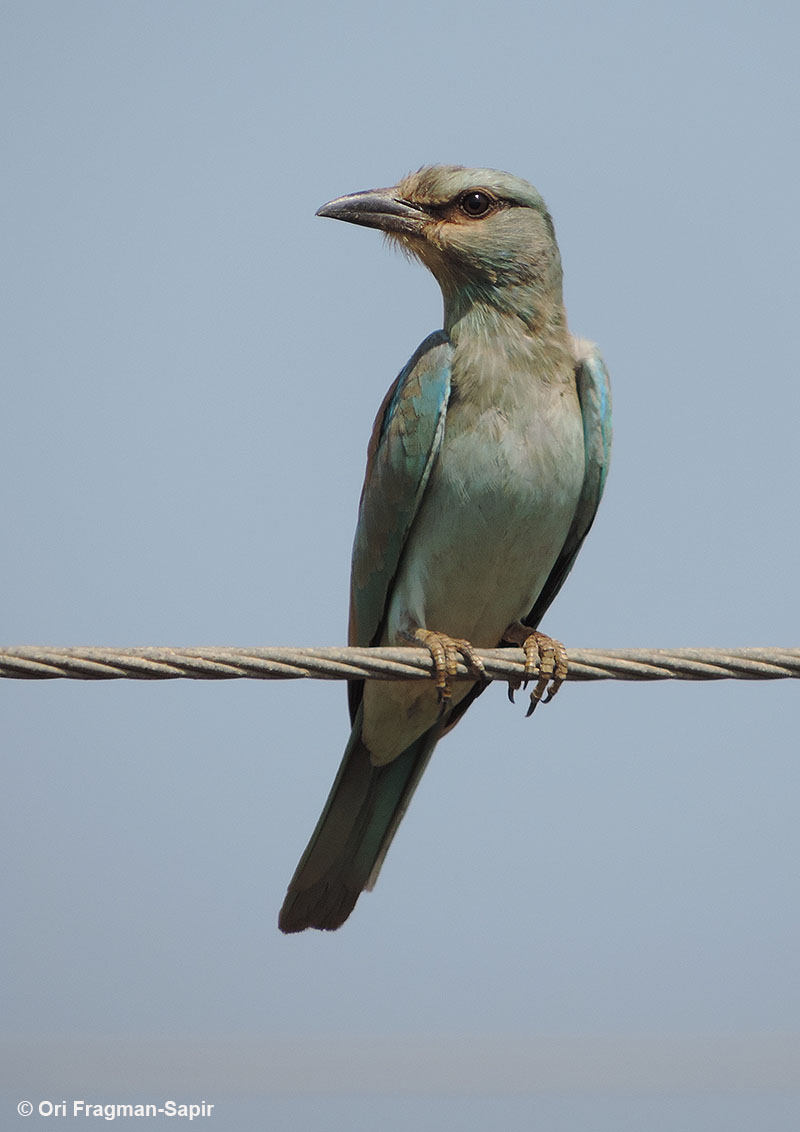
594	394
405	441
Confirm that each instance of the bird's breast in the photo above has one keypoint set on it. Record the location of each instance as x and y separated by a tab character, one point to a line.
496	512
495	515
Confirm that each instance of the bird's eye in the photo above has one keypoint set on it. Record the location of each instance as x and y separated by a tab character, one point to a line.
475	203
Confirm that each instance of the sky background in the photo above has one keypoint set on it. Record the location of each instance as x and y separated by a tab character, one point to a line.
589	920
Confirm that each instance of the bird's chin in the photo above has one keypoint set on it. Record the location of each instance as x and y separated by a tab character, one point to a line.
425	251
411	244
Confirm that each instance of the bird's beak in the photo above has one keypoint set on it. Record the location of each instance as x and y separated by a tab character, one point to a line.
378	208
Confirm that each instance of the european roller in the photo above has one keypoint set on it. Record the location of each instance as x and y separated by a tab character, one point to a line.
484	472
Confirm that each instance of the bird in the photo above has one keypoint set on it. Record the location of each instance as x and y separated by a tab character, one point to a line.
485	468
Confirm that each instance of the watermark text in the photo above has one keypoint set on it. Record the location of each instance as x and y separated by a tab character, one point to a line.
83	1109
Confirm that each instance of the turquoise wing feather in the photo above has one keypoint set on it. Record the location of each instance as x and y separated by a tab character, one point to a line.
594	394
406	439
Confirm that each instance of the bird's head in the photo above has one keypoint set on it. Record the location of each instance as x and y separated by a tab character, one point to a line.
483	233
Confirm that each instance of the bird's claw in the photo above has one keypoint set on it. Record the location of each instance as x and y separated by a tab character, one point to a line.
546	662
445	653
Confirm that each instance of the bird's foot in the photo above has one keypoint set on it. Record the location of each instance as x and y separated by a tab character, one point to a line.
545	661
445	653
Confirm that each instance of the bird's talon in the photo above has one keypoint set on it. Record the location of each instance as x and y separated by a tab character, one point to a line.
445	652
546	662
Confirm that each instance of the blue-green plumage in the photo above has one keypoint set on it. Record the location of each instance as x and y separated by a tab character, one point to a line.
484	473
406	439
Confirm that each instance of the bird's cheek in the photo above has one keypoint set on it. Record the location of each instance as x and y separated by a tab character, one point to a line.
435	251
437	235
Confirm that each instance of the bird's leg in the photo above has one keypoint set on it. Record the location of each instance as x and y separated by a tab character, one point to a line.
545	661
445	652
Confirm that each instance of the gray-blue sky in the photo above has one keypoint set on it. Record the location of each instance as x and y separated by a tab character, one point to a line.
191	365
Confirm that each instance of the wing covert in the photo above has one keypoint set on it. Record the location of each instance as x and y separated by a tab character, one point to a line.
406	439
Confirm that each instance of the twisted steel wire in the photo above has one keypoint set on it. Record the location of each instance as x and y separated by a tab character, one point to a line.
30	662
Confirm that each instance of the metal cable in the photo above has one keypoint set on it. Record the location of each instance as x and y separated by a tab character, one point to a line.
30	662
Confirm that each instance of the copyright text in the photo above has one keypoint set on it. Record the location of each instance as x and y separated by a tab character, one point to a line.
84	1108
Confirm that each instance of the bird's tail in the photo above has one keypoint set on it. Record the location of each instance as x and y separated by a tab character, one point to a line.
353	834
